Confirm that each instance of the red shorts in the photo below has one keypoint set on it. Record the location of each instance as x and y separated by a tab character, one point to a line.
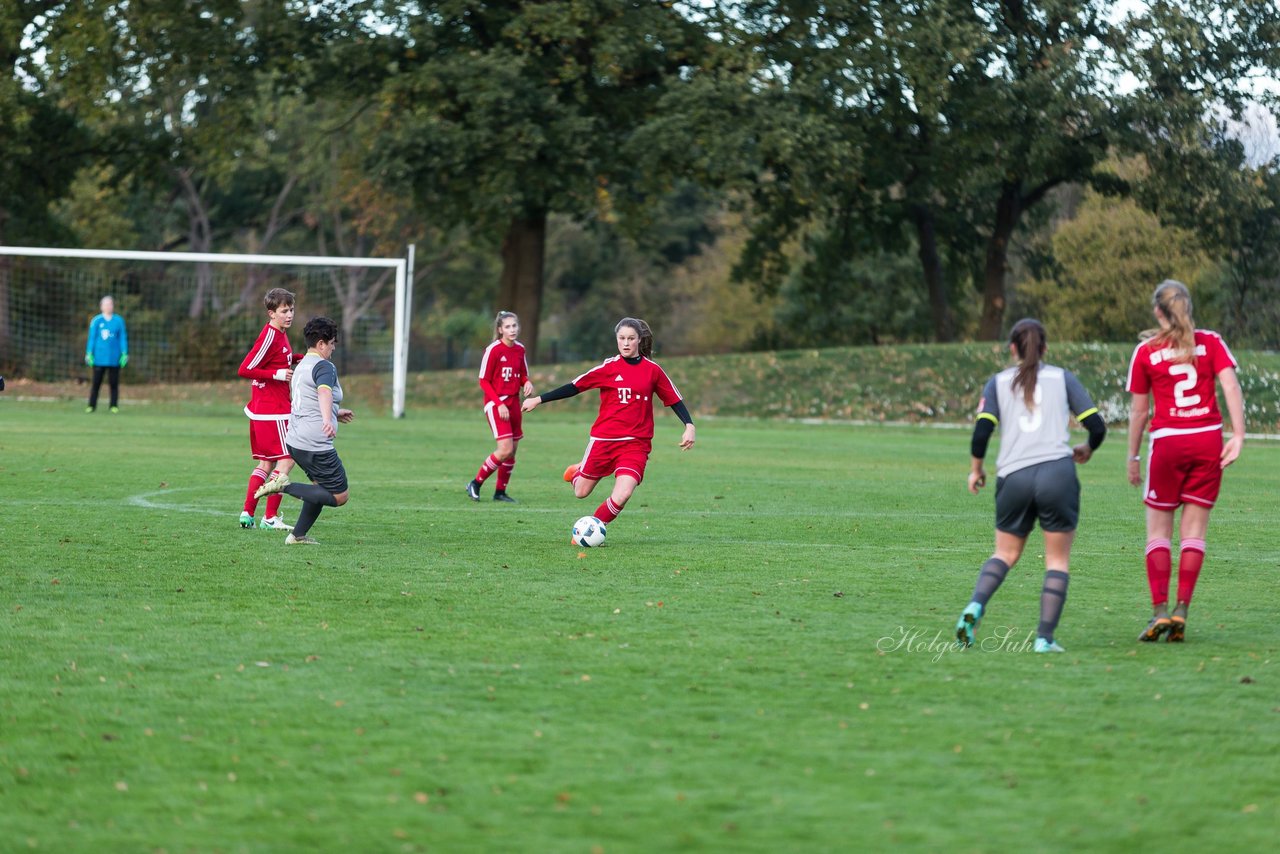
506	429
606	457
266	439
1184	468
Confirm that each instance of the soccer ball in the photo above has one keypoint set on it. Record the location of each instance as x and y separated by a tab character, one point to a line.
588	532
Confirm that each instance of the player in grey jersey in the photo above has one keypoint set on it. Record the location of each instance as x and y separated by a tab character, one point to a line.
1035	473
313	424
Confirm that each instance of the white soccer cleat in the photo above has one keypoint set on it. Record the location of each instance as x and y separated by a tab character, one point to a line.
275	522
304	540
272	486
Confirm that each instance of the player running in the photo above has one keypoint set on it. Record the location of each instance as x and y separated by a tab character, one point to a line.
504	374
313	425
1035	474
622	436
1171	377
269	364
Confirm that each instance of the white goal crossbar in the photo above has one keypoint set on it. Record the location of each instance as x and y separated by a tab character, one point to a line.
400	347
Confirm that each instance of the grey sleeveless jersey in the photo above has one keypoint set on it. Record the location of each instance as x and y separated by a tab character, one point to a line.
1038	434
305	421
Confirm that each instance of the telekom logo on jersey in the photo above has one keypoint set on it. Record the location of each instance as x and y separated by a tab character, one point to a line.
624	395
508	372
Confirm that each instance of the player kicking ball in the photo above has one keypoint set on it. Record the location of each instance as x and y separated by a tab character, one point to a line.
313	426
622	436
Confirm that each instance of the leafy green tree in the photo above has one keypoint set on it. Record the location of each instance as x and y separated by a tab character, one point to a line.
500	114
1203	183
34	174
1107	262
967	114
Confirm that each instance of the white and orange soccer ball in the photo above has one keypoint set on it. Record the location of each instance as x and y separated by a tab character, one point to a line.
588	532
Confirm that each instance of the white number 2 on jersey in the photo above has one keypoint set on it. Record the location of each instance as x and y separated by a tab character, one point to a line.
1031	421
1188	381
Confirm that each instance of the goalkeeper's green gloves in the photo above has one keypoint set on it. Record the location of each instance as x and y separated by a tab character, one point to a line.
124	360
88	359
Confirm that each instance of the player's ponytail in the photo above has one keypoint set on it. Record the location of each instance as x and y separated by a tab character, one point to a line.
1029	340
1172	301
642	329
497	323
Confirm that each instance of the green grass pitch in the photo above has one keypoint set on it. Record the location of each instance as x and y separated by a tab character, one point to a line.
758	660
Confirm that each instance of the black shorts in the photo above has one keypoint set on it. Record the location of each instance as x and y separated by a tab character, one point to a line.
323	467
1048	491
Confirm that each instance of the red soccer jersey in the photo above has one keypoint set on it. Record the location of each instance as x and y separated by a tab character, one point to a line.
1184	398
269	400
626	396
503	372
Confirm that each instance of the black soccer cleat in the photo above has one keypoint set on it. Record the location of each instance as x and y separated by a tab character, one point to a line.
1156	629
501	495
473	491
1177	630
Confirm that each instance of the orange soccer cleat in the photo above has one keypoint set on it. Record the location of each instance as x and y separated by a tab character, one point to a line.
570	473
1155	629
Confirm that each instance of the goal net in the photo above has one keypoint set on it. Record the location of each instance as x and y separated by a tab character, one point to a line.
193	316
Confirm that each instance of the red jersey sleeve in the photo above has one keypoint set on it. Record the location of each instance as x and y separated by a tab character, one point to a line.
487	367
250	367
1219	355
664	387
1139	381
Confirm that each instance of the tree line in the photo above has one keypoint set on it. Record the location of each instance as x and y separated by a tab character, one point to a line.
752	173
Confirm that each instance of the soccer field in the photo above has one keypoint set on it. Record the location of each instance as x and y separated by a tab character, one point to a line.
758	660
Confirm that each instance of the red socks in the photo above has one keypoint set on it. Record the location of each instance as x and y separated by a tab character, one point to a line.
1159	569
274	499
608	511
257	477
504	473
488	467
1190	559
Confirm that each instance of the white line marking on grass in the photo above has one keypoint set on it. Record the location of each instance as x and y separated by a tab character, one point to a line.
708	513
143	500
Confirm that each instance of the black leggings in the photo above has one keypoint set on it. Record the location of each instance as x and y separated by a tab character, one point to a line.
113	377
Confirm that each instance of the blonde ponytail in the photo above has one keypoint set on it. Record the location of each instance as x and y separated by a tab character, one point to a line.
1173	302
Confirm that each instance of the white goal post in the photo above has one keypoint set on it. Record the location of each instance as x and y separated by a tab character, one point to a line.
400	267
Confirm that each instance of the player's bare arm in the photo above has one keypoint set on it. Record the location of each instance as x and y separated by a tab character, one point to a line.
977	476
1138	416
1235	411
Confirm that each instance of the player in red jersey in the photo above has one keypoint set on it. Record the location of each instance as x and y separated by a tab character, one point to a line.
269	364
622	436
504	374
1171	377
